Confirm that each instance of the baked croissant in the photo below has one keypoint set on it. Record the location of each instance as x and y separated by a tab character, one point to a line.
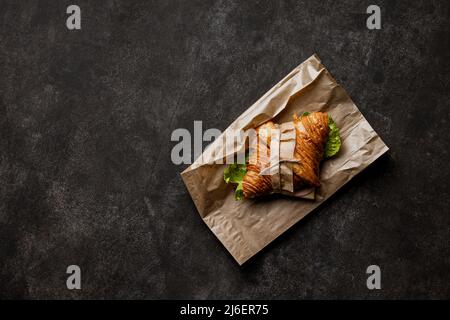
255	184
312	132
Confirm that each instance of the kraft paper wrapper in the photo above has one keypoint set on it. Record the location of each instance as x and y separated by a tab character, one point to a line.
247	226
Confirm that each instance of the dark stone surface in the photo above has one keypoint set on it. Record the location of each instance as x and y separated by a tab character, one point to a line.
85	124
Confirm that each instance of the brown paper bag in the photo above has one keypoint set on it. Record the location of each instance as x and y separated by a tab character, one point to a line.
245	227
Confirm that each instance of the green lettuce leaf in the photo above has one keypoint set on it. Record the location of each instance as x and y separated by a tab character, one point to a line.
334	140
235	173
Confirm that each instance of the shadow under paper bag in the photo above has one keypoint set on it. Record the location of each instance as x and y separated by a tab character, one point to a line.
245	227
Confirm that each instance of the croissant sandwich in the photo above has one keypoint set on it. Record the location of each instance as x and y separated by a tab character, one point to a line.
314	137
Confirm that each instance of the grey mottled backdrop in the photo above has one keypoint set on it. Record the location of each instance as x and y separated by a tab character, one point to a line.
85	124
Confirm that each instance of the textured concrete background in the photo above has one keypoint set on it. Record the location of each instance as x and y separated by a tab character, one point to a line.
85	124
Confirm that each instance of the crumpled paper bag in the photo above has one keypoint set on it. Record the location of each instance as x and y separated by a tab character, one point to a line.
247	226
